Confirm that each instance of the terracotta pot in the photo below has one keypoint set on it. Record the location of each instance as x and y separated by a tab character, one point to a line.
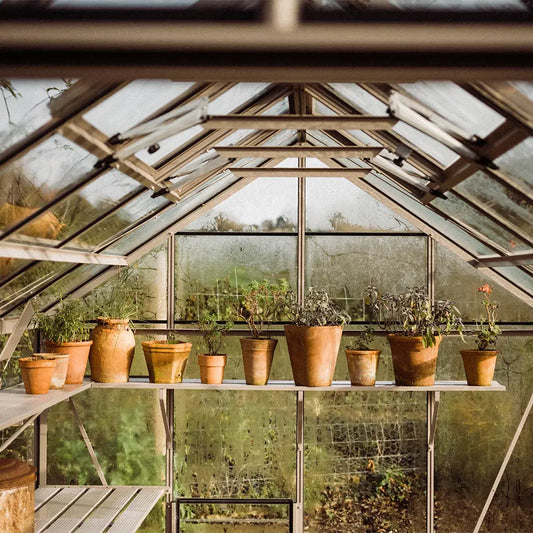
166	362
212	368
112	350
313	352
363	366
479	366
37	374
257	355
17	498
413	364
60	371
77	362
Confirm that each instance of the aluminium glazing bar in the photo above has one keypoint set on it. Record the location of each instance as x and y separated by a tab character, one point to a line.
432	403
15	336
298	513
487	261
298	151
261	172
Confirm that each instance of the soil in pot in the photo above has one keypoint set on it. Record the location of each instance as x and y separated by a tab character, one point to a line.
166	362
112	350
479	366
313	352
78	355
60	371
212	368
37	374
413	364
257	356
363	366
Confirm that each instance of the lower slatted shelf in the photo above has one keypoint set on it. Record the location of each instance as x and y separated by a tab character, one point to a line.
93	509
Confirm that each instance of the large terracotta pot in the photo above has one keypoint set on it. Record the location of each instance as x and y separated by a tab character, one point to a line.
363	366
257	355
413	364
212	368
166	362
112	350
37	374
479	366
77	362
313	352
60	371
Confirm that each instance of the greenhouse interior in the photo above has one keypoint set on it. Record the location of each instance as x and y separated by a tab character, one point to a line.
213	209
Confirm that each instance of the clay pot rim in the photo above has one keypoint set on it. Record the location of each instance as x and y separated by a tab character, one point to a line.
27	361
410	338
358	352
475	351
215	355
310	327
53	355
257	339
165	345
105	320
69	343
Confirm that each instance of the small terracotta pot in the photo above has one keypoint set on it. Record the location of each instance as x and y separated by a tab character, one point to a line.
166	362
112	350
413	364
313	352
363	366
257	355
77	362
37	374
212	368
479	366
60	372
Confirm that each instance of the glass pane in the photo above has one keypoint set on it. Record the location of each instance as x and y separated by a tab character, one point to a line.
518	162
235	97
79	209
458	281
133	104
491	195
455	207
362	100
266	204
335	204
8	266
456	105
414	5
525	87
228	264
25	107
36	178
345	266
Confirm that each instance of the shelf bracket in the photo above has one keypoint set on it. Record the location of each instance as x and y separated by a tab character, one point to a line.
18	432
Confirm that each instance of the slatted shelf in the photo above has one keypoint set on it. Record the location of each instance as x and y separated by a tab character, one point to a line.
94	510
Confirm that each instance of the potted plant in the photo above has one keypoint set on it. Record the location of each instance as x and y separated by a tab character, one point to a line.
166	359
212	363
37	373
362	359
65	332
314	337
480	364
416	327
258	305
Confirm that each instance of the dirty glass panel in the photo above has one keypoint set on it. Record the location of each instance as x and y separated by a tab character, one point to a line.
266	204
518	276
10	266
458	281
473	435
345	266
38	177
98	234
365	460
460	210
235	97
518	162
336	204
82	207
25	107
456	105
228	263
492	195
133	104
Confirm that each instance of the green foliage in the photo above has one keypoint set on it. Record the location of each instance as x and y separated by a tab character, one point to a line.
213	332
412	314
66	324
10	371
363	340
317	309
487	330
260	303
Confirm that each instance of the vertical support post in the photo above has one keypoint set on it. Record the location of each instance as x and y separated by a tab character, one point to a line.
298	524
170	525
42	450
301	235
171	261
432	405
430	252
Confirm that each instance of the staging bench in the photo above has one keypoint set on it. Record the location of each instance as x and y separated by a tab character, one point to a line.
123	509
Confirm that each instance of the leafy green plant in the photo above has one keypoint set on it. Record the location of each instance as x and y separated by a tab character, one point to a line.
487	330
259	304
413	314
317	309
66	324
213	332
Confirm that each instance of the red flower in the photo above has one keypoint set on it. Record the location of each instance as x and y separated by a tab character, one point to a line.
485	288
